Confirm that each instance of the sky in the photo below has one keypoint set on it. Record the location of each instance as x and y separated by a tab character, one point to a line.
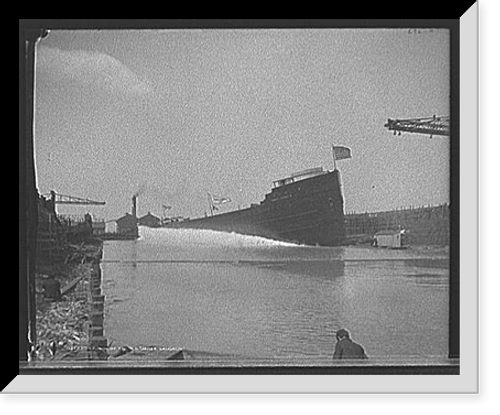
176	114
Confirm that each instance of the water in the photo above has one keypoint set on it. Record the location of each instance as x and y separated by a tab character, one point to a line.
246	296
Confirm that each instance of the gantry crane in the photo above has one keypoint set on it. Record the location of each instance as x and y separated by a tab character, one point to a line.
430	125
71	200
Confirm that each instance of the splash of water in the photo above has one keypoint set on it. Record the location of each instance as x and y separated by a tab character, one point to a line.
205	237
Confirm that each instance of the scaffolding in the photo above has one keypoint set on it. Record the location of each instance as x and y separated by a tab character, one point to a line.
430	125
70	200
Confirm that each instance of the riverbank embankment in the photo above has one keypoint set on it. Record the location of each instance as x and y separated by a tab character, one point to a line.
70	306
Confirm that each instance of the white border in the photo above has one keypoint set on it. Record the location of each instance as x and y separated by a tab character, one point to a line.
466	382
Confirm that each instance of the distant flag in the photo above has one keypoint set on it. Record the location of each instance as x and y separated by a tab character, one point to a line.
340	153
220	200
165	209
215	201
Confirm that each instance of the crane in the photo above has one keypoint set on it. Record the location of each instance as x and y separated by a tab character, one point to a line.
71	200
430	125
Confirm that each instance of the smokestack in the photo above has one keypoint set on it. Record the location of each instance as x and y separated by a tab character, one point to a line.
134	206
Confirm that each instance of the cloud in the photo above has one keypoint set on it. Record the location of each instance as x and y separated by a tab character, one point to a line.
89	68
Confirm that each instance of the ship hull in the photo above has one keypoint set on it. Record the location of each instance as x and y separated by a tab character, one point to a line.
309	211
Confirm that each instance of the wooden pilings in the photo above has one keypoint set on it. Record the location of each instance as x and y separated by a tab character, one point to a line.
98	343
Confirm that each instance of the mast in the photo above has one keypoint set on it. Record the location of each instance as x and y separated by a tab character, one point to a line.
210	204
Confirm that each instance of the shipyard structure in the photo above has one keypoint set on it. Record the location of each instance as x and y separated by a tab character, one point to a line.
308	208
421	225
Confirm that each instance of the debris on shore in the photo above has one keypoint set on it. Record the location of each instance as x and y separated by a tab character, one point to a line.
63	321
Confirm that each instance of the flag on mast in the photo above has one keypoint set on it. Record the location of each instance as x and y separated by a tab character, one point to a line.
215	201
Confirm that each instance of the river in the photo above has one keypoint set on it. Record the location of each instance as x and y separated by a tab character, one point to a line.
251	297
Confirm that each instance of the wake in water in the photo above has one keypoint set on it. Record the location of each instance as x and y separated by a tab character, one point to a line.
206	237
158	245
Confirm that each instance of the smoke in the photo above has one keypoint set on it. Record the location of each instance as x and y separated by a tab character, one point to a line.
153	197
140	190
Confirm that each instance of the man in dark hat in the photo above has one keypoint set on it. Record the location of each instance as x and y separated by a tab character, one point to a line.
346	348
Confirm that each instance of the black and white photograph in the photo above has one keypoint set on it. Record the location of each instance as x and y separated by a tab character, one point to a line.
227	198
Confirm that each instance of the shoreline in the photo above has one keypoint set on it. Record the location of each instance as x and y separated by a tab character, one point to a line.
67	327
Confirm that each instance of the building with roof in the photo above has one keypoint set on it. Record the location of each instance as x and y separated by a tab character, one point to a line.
127	225
390	239
149	220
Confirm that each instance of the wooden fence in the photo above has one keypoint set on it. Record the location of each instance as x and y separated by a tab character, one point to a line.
426	225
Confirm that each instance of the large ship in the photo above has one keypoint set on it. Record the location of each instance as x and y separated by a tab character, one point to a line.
306	208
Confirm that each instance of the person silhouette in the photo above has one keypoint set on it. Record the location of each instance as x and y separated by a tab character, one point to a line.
345	348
